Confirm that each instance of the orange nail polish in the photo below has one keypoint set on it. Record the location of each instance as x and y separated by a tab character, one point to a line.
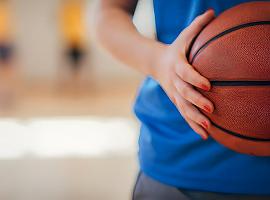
205	125
205	87
207	109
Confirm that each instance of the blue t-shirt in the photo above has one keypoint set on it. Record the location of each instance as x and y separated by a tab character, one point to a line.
170	151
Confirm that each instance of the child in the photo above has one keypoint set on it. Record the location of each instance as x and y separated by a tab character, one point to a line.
175	163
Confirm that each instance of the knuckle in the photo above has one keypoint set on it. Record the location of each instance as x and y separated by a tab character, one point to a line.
190	114
197	100
177	84
178	103
185	91
179	70
184	74
184	110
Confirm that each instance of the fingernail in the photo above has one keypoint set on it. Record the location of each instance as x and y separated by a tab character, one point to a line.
205	125
207	109
204	137
210	9
205	87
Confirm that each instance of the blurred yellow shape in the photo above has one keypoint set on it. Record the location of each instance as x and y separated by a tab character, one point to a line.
5	20
72	22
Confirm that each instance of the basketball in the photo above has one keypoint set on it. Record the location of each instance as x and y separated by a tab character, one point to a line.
233	52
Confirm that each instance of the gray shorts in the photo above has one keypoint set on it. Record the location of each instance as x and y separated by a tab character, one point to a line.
147	188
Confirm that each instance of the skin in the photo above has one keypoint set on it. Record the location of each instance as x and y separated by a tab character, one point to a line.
167	64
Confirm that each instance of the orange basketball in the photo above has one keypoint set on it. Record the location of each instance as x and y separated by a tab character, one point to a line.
233	52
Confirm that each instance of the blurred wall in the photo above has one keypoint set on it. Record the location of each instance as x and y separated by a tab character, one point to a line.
39	46
37	41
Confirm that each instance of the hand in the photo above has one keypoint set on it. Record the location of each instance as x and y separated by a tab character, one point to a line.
178	78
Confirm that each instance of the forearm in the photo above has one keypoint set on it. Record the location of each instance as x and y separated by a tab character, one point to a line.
117	33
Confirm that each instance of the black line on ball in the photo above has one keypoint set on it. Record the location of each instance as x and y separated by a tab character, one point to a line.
240	83
227	32
240	135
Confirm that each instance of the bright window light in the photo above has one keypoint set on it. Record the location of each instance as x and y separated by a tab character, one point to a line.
67	137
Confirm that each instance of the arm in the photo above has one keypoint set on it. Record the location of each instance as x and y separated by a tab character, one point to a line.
165	63
117	33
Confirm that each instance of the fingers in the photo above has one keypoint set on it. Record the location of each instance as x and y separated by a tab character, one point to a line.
197	25
193	96
198	129
183	69
188	74
182	77
185	98
191	112
198	122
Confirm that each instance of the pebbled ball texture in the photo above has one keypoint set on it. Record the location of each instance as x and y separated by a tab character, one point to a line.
235	48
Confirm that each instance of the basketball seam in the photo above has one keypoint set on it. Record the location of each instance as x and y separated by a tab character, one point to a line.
240	83
240	135
235	28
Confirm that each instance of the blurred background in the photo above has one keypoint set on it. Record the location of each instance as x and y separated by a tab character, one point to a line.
66	125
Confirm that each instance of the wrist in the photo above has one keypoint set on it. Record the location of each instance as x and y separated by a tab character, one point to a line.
157	59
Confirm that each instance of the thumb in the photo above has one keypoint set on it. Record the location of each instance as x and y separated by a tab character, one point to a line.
189	33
